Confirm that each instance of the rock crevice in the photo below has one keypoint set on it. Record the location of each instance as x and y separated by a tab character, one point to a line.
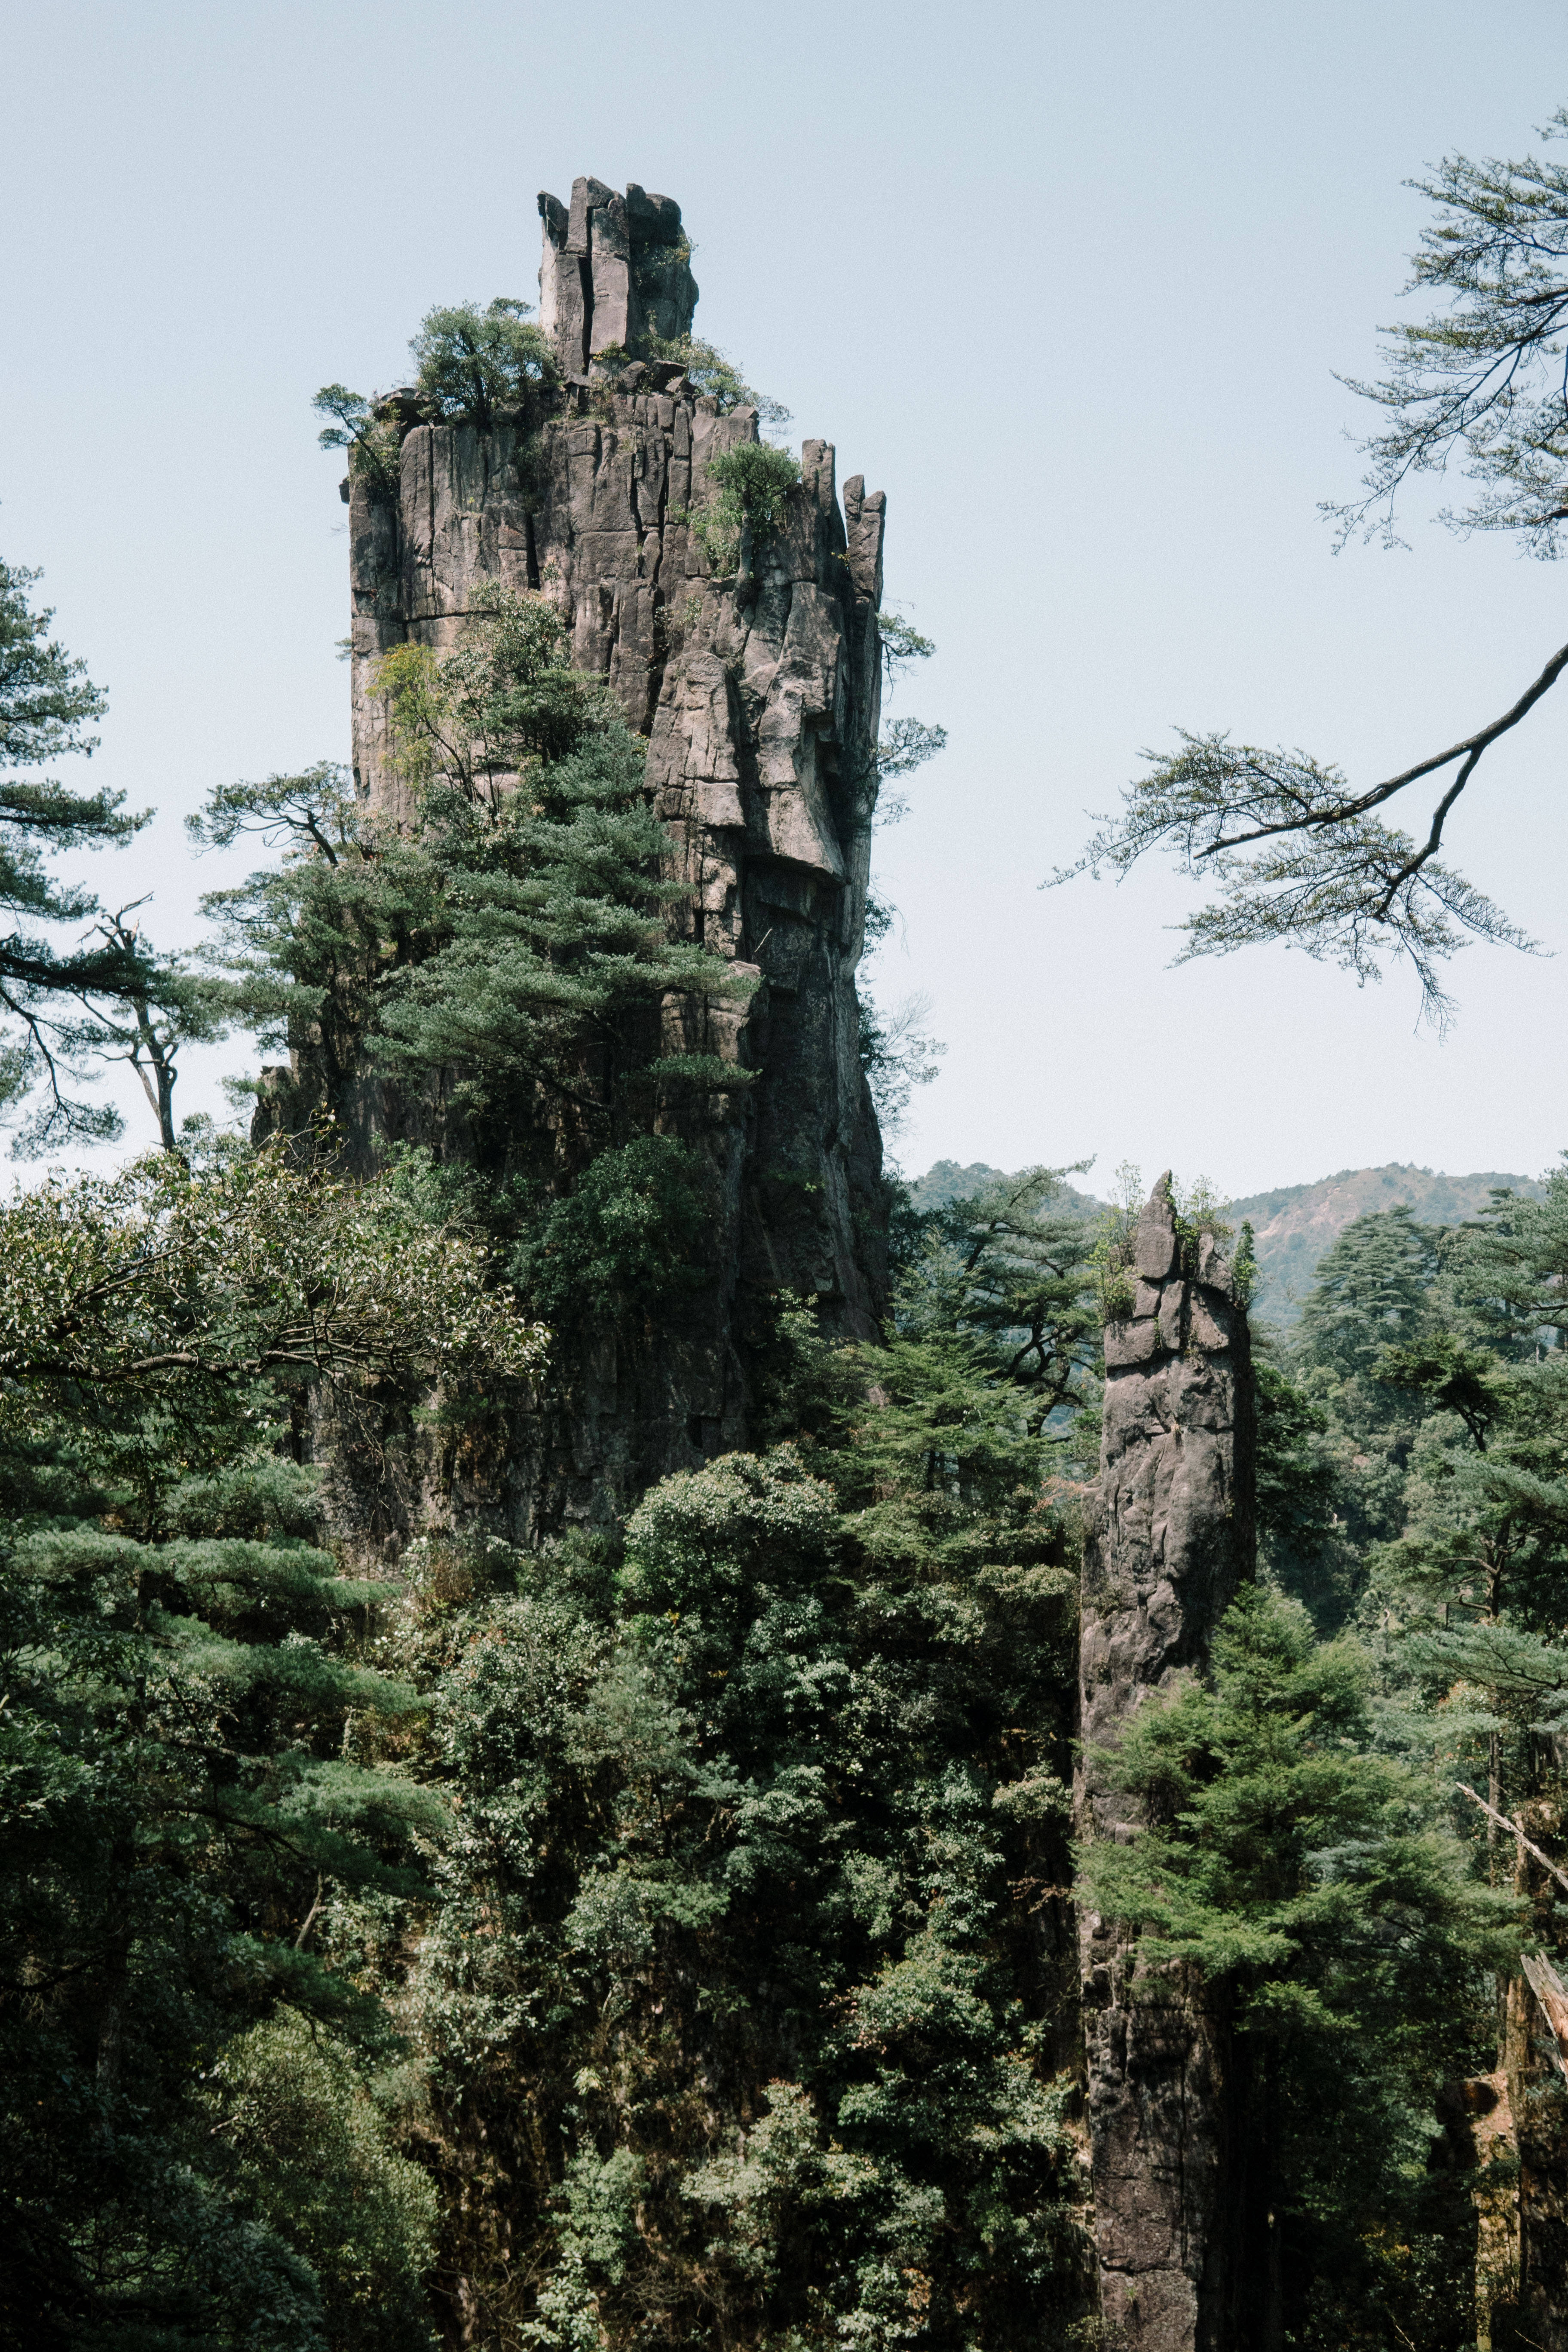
616	272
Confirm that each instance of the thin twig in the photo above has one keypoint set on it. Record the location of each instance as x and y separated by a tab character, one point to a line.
309	1916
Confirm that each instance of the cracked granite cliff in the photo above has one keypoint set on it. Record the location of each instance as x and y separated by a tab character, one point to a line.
758	696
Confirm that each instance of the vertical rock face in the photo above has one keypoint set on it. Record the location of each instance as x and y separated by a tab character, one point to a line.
760	703
1173	1536
616	271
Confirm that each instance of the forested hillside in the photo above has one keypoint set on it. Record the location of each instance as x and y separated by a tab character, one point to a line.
665	1934
1294	1226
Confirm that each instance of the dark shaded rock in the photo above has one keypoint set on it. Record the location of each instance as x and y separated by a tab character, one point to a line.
655	220
1173	1537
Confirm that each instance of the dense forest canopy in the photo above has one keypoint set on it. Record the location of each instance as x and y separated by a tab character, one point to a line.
668	1929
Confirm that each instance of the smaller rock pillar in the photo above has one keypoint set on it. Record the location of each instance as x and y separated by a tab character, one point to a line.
1172	1537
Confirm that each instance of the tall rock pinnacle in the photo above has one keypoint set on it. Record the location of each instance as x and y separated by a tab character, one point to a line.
759	701
1173	1537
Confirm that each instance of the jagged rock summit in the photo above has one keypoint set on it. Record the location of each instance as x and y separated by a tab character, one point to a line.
760	707
616	272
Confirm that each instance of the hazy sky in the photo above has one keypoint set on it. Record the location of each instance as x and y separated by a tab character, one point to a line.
1068	283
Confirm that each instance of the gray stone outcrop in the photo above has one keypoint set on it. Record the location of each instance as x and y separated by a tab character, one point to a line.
761	713
616	272
1171	1539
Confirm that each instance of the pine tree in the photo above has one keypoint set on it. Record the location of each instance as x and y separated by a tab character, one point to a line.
1506	1270
1007	1268
200	1753
515	941
47	703
1316	1881
1371	1290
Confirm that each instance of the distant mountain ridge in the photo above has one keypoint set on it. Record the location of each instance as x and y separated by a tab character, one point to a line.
1295	1225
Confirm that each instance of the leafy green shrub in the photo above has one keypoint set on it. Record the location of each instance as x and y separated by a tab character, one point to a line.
473	362
1196	1211
632	1235
1111	1253
747	487
304	2144
1199	1209
504	699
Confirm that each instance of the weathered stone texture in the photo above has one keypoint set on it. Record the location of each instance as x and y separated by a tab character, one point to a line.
759	702
1173	1537
616	271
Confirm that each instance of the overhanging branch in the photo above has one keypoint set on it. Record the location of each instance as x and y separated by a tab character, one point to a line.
1469	750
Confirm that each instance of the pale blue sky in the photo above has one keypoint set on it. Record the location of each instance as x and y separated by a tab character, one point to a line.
1069	284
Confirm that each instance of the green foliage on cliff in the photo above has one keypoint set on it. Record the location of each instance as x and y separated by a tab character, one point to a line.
746	489
1315	1887
473	366
551	953
513	934
633	1232
474	363
743	1980
374	443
